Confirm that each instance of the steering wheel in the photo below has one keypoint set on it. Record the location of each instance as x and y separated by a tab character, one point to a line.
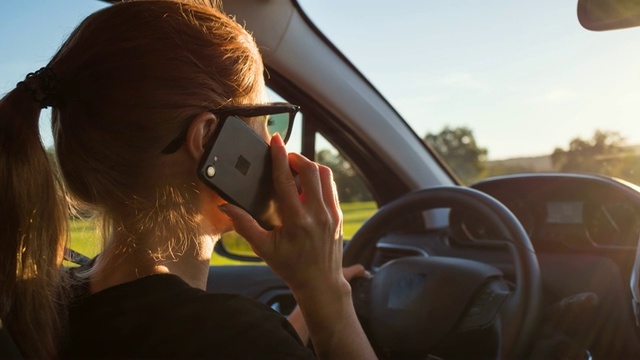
414	306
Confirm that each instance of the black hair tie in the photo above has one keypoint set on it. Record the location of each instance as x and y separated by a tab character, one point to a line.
43	86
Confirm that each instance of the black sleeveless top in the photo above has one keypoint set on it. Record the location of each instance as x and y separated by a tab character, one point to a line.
161	316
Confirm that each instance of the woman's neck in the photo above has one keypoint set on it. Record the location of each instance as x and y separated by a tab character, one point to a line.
117	265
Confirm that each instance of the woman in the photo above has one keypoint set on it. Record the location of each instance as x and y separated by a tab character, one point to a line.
137	91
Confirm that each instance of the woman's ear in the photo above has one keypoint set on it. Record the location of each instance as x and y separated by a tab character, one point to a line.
200	131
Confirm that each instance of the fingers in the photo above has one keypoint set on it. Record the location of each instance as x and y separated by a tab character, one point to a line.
283	182
330	197
316	183
354	271
248	228
309	174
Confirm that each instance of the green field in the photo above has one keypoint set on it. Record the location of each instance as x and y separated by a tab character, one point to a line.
86	240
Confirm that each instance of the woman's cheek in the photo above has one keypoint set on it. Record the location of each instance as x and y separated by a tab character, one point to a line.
218	222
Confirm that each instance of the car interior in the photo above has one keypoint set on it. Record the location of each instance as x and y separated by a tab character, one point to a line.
571	299
540	265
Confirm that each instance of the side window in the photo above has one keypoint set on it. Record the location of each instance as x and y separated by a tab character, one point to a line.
356	201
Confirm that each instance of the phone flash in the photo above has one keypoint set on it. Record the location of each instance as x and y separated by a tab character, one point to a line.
211	171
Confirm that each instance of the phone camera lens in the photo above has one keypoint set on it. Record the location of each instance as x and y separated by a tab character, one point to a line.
211	171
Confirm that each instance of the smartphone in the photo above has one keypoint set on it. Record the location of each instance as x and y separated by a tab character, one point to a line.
237	165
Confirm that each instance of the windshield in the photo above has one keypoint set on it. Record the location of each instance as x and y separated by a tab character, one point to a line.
499	87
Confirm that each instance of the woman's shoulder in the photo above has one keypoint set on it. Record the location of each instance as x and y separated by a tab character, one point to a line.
161	315
170	297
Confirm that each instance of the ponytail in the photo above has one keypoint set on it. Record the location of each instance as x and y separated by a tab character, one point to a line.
33	226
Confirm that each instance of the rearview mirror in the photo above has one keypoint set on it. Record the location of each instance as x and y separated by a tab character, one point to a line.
599	15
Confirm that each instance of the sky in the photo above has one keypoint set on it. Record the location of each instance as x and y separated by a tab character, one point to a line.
523	75
30	33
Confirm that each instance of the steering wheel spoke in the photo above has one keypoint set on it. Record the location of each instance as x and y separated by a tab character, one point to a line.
485	307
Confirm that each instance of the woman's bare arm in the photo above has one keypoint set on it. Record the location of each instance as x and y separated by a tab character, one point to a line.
306	252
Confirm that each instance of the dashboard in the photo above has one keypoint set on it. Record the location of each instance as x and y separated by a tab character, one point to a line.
561	210
584	229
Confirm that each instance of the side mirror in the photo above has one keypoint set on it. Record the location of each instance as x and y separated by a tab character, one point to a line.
635	286
235	247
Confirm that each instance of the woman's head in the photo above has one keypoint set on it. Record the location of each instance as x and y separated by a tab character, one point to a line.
132	76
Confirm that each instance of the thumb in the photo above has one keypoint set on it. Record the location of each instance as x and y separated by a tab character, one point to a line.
247	227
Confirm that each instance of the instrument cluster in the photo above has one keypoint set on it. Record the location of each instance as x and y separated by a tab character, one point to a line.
571	210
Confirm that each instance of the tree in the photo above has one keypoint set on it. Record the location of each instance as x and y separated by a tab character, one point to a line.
603	154
458	148
497	169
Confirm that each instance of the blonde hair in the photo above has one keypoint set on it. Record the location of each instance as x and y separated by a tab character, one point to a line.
131	77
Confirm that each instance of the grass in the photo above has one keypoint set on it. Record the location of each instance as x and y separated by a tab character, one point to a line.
355	214
85	238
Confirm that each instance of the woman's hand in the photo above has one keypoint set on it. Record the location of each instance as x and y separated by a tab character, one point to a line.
306	250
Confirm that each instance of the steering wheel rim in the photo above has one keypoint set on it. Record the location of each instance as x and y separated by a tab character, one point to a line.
518	318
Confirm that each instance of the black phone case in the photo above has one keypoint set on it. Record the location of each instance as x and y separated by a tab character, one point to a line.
237	166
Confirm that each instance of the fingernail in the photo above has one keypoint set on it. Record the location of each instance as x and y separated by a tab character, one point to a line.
276	140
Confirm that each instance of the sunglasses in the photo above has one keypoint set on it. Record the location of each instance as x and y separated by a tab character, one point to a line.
280	116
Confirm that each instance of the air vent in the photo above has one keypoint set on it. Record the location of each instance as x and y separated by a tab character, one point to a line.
388	252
